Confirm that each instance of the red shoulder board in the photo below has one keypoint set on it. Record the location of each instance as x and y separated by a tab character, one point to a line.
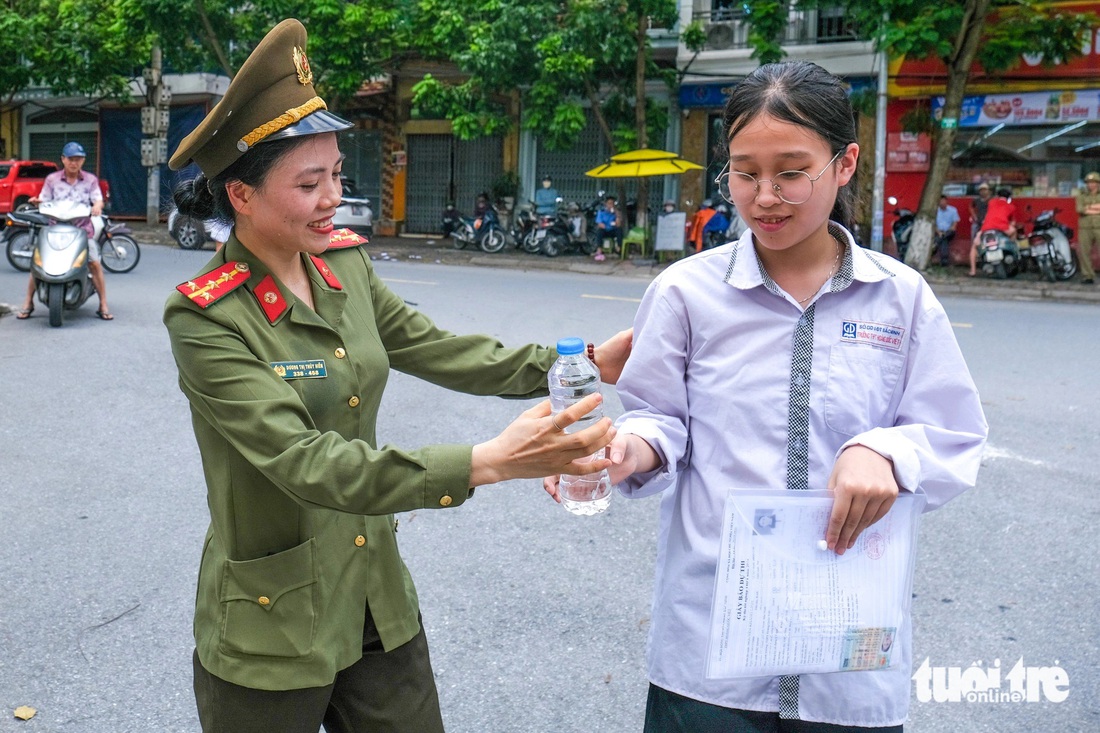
326	272
215	284
271	299
341	238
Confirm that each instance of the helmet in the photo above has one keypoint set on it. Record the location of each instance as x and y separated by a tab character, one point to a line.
722	208
708	204
1094	176
73	150
983	186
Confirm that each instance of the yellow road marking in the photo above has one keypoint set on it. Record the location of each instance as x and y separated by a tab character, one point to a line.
409	282
612	297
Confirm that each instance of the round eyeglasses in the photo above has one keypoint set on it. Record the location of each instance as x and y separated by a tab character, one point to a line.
792	187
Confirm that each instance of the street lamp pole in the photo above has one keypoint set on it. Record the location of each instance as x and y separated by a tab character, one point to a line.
878	191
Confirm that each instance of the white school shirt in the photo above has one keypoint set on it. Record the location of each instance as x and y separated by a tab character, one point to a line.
736	386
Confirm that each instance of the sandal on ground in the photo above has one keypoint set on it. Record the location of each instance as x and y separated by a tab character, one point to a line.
104	316
599	257
25	313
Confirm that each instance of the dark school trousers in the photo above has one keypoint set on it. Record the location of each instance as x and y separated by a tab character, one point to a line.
668	712
384	692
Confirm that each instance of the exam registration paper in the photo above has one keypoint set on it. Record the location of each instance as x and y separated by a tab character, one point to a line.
784	606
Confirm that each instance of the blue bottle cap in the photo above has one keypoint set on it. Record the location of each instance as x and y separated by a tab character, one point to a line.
570	346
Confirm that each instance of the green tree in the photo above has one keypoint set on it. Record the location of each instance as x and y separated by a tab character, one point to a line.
558	58
959	34
349	42
94	47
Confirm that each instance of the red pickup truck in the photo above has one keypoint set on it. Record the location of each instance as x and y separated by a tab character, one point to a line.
21	180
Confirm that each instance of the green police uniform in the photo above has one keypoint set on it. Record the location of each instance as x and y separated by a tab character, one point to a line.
1089	225
284	402
301	587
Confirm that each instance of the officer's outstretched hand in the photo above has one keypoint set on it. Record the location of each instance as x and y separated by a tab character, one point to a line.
536	445
863	489
629	454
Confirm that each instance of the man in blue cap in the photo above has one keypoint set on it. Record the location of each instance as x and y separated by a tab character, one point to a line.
74	184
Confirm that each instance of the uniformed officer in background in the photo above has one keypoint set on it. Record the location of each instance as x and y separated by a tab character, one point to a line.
305	613
1088	209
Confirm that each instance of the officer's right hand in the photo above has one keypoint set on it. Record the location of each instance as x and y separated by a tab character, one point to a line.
536	445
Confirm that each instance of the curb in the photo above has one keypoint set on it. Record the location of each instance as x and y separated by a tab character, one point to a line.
423	249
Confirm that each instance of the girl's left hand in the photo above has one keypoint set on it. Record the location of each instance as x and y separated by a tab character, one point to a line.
863	489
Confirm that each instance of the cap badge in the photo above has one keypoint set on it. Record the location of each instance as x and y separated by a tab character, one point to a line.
301	65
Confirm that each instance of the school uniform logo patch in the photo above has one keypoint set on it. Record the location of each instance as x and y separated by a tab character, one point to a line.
882	335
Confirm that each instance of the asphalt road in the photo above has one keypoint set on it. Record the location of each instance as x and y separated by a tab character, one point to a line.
537	618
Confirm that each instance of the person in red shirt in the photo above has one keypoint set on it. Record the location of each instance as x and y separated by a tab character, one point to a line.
702	216
1001	216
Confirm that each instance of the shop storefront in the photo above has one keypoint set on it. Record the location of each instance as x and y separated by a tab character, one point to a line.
1035	129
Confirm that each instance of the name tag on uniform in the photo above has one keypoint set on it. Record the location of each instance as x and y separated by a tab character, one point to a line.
881	335
307	369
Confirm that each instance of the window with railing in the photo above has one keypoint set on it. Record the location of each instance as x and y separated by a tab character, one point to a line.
726	24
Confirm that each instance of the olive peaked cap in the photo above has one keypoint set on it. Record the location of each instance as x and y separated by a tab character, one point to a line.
271	97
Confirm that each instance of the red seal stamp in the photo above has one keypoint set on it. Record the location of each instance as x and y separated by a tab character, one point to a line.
874	545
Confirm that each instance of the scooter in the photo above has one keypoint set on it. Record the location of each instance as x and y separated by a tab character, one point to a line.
522	231
59	263
119	251
450	220
559	233
485	232
1049	249
998	254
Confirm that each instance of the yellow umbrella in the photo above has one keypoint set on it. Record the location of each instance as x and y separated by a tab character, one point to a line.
643	163
642	154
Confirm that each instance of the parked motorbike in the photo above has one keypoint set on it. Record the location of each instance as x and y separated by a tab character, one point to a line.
484	232
522	231
59	260
558	234
902	228
119	251
1048	249
998	254
451	219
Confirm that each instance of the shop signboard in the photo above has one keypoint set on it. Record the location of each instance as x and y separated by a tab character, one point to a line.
1025	108
907	152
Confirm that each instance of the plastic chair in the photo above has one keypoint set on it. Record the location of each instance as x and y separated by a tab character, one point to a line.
636	237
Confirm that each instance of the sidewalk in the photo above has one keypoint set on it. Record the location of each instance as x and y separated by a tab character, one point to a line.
945	282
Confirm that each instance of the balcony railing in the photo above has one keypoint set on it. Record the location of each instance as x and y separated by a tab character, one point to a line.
727	28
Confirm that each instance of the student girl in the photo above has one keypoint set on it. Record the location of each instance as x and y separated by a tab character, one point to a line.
746	372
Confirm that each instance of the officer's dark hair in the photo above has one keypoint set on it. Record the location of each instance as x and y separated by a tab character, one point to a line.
804	94
203	198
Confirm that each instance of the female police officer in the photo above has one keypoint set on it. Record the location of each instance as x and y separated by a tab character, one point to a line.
305	613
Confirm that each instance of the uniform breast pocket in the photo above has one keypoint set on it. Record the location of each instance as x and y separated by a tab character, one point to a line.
268	604
861	386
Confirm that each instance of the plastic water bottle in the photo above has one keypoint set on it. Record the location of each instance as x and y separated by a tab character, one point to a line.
572	378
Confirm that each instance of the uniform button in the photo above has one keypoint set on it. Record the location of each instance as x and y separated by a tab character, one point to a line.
263	600
353	401
360	541
340	353
445	501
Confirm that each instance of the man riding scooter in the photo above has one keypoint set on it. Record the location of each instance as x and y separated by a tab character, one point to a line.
71	183
1000	216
